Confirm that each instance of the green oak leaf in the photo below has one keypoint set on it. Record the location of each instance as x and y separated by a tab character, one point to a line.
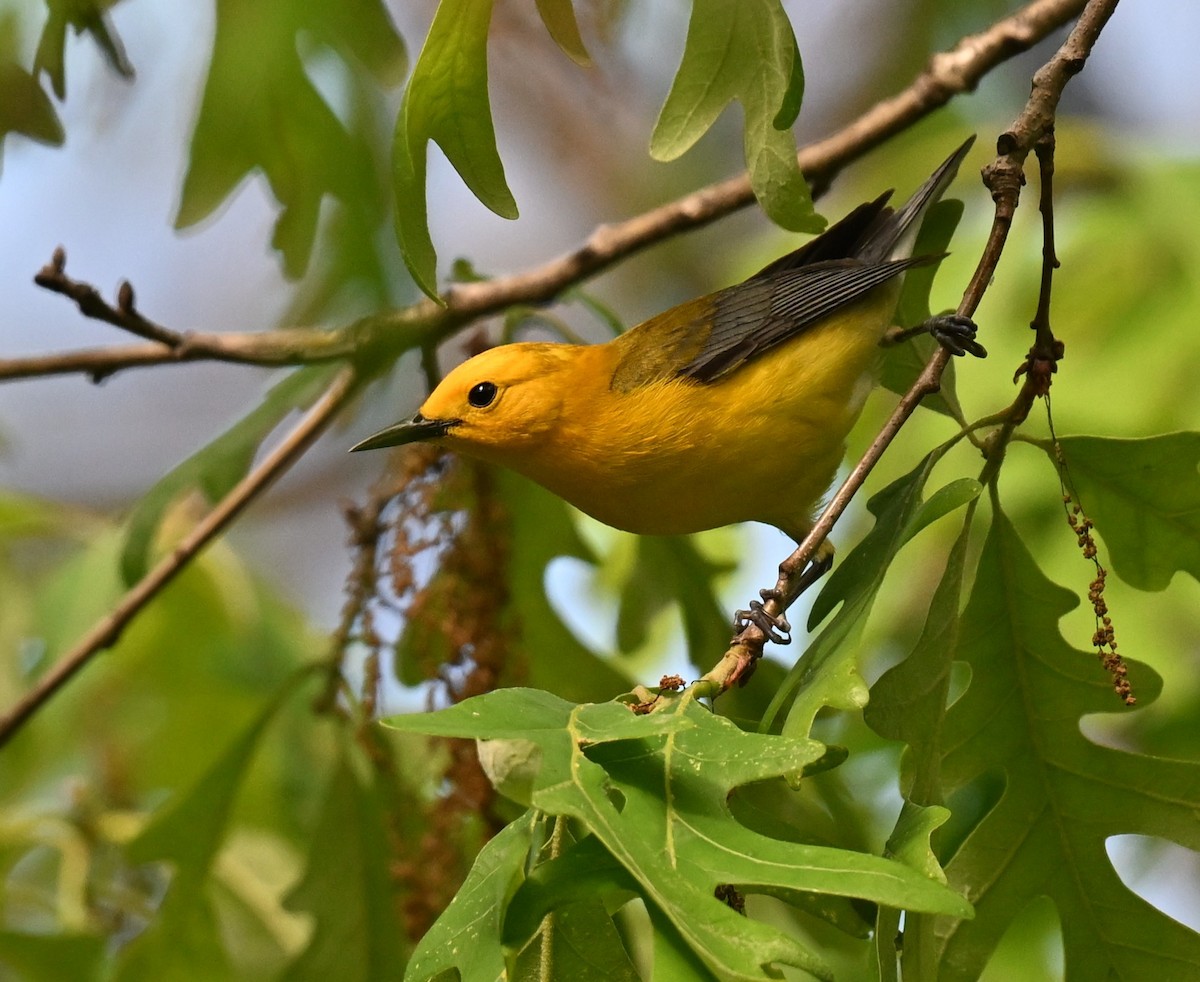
82	16
261	112
466	937
447	102
1144	496
25	109
184	942
827	673
653	790
217	467
747	52
347	889
1062	796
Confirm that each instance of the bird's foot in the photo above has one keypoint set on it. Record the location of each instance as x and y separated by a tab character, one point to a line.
956	334
776	627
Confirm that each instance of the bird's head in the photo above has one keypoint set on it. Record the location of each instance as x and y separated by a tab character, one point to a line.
492	404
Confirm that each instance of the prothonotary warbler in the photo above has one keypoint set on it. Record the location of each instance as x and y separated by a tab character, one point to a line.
729	408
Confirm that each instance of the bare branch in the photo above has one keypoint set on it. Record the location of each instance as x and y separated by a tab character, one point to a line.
947	74
96	363
267	349
273	348
390	333
53	277
105	632
1034	122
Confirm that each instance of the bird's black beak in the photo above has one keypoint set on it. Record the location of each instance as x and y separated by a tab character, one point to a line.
410	431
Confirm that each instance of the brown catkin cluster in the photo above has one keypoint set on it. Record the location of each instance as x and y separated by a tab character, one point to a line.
431	547
456	632
1104	639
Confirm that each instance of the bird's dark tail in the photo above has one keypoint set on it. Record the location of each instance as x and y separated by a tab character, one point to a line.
893	235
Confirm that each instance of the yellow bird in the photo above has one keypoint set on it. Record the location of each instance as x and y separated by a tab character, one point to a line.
729	408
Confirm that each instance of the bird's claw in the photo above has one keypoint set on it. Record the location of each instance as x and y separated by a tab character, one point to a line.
777	627
956	334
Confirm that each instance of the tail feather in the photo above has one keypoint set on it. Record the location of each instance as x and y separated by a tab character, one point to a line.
894	235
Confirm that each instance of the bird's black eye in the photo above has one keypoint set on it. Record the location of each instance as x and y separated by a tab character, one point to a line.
482	394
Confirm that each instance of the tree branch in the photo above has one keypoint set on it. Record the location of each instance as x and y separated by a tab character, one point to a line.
947	74
369	341
389	333
105	632
1004	178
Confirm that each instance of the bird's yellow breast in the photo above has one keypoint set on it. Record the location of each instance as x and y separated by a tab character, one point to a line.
676	455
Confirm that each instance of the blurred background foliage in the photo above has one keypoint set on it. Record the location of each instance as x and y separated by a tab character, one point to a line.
234	160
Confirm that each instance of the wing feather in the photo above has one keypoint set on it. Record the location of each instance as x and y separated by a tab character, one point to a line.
749	322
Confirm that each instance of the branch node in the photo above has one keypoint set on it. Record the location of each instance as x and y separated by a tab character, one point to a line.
125	299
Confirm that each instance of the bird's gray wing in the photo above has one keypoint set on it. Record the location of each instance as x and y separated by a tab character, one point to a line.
756	316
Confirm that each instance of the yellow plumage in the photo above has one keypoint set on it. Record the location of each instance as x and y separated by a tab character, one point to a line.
729	408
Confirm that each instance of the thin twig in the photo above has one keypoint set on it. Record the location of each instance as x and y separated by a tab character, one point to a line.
270	349
383	336
53	277
105	632
947	74
267	349
1004	177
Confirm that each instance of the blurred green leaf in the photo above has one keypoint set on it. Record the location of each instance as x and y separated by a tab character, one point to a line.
827	674
670	569
187	832
260	111
672	772
83	16
348	889
542	531
548	654
25	108
559	18
184	941
216	468
447	102
24	515
467	935
1144	496
361	29
1063	796
747	52
596	307
47	957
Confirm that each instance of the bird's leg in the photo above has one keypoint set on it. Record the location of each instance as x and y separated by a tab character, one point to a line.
953	332
776	627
